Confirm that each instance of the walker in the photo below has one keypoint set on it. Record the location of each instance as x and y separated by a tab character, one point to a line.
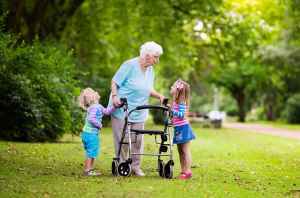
164	141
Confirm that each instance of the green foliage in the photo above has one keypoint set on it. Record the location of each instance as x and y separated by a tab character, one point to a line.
229	106
227	46
282	59
106	33
292	109
228	51
158	117
34	18
37	91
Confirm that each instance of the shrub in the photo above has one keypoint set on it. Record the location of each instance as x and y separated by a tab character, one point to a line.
157	116
292	110
37	90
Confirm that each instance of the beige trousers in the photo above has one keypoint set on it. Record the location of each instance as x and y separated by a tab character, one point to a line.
137	147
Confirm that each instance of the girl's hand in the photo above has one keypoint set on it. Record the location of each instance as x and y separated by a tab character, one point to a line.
170	109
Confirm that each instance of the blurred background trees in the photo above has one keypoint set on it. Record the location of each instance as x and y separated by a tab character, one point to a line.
52	49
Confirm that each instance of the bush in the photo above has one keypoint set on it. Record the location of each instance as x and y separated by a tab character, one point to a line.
230	109
157	116
37	91
292	110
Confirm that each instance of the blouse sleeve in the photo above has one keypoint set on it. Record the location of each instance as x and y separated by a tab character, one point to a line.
122	74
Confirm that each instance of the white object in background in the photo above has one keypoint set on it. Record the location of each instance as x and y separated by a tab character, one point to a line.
216	115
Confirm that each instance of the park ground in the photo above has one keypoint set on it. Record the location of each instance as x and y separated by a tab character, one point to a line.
226	163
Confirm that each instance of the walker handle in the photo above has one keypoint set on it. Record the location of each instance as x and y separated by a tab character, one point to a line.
123	102
165	101
151	107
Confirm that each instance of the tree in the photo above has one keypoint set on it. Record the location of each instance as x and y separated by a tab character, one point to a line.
228	44
106	33
282	58
40	18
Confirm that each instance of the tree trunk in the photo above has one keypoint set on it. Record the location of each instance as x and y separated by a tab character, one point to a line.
239	96
270	113
270	104
16	11
46	18
34	21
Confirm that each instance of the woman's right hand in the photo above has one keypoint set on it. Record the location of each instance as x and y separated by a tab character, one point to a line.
116	101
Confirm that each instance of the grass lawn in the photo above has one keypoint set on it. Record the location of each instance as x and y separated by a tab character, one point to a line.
226	163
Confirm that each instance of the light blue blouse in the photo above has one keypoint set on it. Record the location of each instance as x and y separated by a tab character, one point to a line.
135	85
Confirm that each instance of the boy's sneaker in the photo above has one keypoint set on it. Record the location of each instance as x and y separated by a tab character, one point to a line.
138	172
91	173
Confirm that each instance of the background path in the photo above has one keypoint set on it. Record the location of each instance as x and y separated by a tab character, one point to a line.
260	128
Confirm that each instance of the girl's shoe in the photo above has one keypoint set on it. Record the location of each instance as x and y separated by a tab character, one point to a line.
91	173
185	175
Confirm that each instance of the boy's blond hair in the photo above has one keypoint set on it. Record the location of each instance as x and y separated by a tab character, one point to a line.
88	97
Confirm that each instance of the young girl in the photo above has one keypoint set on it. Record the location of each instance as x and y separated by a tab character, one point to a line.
89	101
183	133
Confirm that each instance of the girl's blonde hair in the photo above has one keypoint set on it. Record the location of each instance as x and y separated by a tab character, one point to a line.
182	92
88	97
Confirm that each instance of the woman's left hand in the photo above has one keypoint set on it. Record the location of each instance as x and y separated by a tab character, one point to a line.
161	99
157	95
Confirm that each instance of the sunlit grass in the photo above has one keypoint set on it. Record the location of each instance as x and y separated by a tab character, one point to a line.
226	163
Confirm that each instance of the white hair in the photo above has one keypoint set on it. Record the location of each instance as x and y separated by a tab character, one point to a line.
151	47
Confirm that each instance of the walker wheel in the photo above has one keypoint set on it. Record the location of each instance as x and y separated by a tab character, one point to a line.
114	167
168	169
161	168
124	169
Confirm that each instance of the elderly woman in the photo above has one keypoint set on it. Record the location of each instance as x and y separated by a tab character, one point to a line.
134	80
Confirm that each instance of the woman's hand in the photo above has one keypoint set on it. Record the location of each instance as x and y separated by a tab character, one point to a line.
161	99
116	101
157	95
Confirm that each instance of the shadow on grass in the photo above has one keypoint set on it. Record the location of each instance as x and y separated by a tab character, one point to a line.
66	142
34	143
294	193
66	169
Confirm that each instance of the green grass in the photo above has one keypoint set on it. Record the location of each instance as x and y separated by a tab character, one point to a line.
227	163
